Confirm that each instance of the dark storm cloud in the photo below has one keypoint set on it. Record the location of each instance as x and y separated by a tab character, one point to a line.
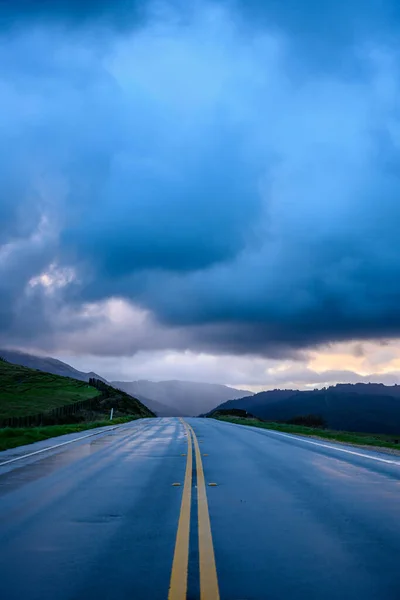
322	32
324	29
15	12
208	170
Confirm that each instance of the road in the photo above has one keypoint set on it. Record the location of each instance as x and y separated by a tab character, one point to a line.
288	518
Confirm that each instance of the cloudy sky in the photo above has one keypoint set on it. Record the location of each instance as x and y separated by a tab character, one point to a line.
203	190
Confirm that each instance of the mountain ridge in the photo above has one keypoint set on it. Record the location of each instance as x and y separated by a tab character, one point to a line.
359	407
166	398
47	364
174	395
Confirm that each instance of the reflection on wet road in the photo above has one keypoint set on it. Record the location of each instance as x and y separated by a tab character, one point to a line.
98	519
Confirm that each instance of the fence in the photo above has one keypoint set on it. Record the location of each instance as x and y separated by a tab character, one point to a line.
53	416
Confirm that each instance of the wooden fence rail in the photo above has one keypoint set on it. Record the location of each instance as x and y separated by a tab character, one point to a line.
52	416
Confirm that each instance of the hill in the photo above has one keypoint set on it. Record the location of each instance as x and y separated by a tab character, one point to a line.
47	364
183	398
164	398
369	408
257	401
25	392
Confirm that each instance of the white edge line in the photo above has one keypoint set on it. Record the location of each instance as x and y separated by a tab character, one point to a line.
301	439
7	462
384	460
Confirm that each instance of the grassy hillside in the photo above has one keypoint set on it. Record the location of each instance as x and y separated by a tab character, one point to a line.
122	402
26	391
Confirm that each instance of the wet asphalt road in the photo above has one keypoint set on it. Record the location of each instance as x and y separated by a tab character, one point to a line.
290	518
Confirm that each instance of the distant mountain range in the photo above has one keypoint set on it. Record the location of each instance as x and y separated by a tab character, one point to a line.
363	407
47	364
183	398
165	398
371	407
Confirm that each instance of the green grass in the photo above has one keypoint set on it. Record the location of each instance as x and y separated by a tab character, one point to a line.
11	437
362	439
25	392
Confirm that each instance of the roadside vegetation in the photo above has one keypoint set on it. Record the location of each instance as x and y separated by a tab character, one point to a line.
11	437
25	392
358	439
35	405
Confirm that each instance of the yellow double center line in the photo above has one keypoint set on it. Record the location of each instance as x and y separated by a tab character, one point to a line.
208	572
